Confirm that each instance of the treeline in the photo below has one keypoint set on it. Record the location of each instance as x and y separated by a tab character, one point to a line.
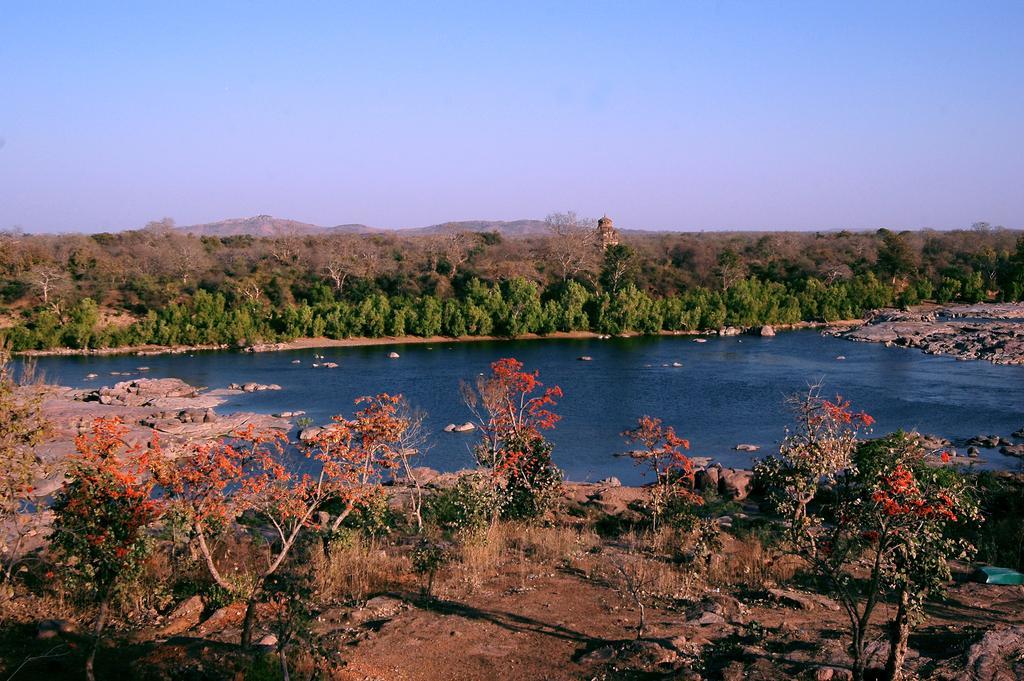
163	286
510	308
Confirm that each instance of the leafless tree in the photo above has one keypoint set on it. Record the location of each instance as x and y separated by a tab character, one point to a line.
571	243
454	247
49	280
412	442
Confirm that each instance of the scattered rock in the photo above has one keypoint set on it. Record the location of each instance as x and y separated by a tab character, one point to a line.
1013	450
611	482
729	331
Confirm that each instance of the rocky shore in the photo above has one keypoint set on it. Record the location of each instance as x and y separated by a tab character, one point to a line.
992	332
176	411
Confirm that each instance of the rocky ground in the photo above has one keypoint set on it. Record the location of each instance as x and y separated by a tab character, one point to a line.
546	603
993	332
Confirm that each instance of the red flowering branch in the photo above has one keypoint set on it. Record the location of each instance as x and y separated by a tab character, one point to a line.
663	454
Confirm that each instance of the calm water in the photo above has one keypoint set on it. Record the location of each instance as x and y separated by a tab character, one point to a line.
727	391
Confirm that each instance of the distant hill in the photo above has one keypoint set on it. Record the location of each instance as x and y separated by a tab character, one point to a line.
266	225
514	228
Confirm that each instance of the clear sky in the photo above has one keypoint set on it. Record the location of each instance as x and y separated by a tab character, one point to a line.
674	115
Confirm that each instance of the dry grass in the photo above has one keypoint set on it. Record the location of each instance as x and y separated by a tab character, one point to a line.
355	571
553	545
750	565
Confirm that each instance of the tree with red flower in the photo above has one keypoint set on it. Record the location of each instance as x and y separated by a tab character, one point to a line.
102	513
513	409
250	472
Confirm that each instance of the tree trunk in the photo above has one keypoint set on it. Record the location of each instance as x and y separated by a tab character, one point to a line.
857	651
284	665
97	633
249	622
899	639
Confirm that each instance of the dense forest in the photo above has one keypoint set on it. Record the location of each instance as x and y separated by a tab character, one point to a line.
160	285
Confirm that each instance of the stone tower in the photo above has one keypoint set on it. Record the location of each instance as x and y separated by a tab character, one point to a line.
606	233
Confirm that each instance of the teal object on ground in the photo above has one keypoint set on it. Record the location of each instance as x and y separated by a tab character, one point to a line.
998	575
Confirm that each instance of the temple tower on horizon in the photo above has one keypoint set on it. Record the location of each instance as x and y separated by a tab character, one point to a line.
606	234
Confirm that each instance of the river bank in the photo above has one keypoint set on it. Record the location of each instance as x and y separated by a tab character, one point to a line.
322	342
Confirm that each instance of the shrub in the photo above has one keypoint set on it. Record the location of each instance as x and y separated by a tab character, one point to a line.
467	507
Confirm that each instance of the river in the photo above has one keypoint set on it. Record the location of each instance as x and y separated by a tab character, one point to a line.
726	391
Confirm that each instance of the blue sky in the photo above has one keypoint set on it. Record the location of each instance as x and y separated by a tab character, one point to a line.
678	115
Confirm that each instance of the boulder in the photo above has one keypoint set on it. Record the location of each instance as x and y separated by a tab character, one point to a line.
393	355
611	482
767	330
228	616
142	392
1013	450
585	358
735	484
377	608
708	478
746	448
801	600
997	656
267	641
308	434
48	629
185	616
